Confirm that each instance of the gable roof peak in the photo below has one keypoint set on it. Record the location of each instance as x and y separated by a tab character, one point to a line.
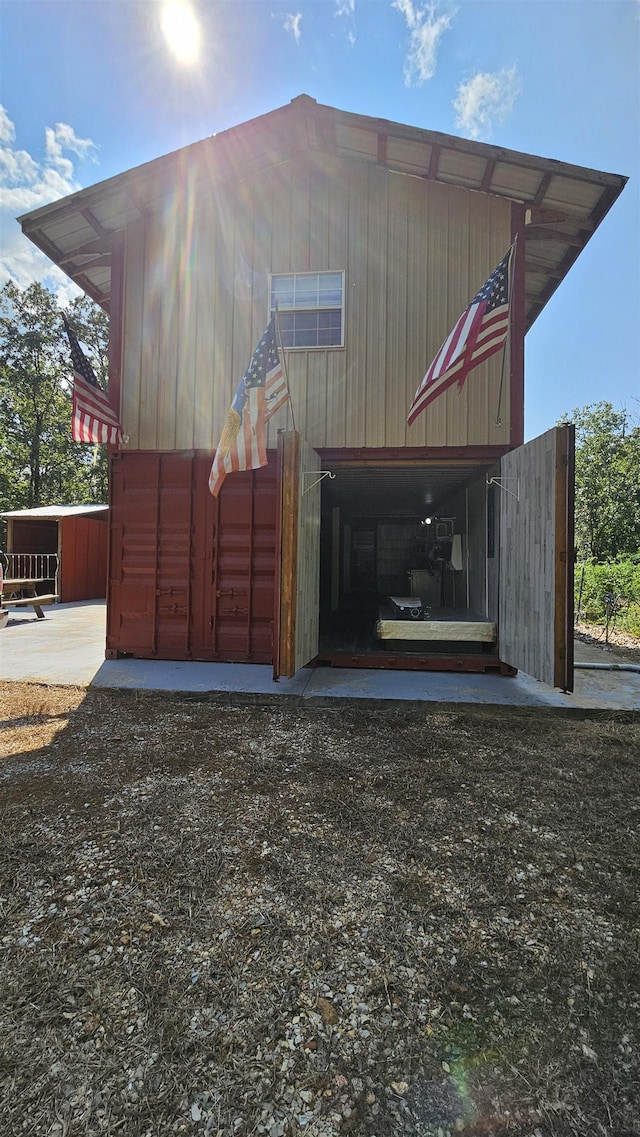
303	101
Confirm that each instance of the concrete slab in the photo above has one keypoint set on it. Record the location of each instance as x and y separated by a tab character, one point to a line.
432	687
224	678
67	648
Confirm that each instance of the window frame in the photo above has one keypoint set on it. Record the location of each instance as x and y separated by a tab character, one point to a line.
317	273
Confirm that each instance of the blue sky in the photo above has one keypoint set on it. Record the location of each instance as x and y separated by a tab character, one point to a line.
91	88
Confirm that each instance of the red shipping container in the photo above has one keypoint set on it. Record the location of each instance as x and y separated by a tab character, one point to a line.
190	576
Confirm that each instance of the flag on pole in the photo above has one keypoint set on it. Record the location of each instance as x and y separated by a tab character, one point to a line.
480	331
94	419
261	391
276	388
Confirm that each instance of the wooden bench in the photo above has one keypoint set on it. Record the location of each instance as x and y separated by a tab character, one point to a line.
34	602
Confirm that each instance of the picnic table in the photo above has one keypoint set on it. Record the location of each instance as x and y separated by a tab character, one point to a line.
21	592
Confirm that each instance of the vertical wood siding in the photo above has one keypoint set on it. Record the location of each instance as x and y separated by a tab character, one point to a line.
527	558
299	569
536	558
308	592
83	559
414	253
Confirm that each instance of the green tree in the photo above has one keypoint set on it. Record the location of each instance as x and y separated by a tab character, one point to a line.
40	462
607	482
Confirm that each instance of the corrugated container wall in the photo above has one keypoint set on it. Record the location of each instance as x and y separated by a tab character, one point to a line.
413	252
190	576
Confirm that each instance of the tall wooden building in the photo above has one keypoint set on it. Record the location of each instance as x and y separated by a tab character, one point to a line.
372	237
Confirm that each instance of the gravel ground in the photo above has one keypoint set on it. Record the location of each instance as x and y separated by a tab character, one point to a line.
619	641
237	920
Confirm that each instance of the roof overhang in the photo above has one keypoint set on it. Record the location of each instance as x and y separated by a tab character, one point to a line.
564	204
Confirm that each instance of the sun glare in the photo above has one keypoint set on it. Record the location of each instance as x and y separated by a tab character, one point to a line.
181	30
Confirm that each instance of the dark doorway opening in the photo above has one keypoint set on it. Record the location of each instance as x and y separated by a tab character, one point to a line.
391	532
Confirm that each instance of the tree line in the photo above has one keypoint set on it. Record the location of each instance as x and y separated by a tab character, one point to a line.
41	465
607	510
607	501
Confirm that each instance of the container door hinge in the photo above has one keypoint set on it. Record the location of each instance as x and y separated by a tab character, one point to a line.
323	474
500	483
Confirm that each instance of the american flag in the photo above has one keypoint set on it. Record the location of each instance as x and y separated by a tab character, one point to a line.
480	331
262	389
94	419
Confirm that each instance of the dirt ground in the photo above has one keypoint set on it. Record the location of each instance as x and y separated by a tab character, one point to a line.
232	920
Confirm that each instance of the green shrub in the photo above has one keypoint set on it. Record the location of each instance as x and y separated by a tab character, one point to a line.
619	579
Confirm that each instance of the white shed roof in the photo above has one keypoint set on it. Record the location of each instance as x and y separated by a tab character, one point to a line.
55	512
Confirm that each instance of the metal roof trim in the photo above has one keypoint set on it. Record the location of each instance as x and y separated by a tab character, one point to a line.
54	512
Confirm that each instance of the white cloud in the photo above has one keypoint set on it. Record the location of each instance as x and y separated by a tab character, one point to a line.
63	137
47	186
426	28
22	262
291	24
346	10
7	129
25	184
486	99
16	167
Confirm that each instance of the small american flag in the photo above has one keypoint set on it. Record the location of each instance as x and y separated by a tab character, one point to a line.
262	389
480	331
94	419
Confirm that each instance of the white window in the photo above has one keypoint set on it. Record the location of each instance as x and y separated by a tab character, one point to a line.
310	308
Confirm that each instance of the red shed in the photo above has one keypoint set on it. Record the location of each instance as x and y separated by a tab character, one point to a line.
64	545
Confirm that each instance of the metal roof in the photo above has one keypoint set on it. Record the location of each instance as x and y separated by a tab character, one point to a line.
55	512
564	203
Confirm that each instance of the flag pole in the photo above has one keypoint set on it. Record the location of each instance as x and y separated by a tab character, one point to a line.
283	359
512	273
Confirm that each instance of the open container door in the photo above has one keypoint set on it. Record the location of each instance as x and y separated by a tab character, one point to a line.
535	628
297	599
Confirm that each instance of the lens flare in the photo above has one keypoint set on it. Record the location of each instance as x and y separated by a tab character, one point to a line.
181	30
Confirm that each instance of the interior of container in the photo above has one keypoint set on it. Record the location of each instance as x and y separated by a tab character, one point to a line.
408	561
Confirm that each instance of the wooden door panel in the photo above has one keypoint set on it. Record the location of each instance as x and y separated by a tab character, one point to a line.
536	558
297	608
